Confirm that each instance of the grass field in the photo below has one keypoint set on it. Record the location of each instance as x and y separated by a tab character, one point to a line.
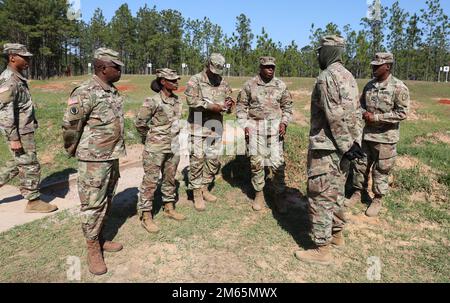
230	243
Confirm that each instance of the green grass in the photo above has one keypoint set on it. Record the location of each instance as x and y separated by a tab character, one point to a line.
230	243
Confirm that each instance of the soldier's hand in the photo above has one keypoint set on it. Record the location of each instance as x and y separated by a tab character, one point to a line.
16	146
355	152
282	130
215	108
369	117
229	103
247	135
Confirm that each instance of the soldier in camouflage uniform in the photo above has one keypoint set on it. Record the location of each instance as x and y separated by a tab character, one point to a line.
208	97
385	102
264	110
335	138
94	133
18	123
158	122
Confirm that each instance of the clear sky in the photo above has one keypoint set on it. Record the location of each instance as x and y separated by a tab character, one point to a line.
284	20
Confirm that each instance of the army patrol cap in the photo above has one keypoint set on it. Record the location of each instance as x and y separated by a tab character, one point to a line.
383	58
108	55
216	63
331	40
167	73
16	49
267	61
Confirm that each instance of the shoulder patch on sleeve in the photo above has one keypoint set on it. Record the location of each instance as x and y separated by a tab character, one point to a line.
75	112
73	100
6	93
404	96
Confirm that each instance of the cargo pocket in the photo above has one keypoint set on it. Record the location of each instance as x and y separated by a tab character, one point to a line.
318	185
387	157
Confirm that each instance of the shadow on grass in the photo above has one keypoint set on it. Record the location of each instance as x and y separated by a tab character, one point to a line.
237	173
296	222
123	207
57	184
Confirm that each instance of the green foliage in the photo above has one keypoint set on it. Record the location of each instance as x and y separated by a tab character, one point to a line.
165	38
412	180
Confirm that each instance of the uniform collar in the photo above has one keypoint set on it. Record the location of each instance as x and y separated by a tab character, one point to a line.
260	81
384	83
169	100
17	74
205	78
105	86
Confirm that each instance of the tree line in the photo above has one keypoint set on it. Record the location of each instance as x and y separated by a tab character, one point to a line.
420	41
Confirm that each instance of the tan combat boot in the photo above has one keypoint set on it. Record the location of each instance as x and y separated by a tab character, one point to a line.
374	209
356	198
96	263
170	212
207	196
338	240
199	203
319	254
38	206
259	202
148	223
109	246
280	204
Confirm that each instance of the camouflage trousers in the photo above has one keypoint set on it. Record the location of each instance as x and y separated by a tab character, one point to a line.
154	165
97	183
267	152
204	161
326	194
24	164
381	159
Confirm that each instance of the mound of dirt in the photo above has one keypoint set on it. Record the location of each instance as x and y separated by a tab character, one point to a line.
437	137
300	119
126	87
54	87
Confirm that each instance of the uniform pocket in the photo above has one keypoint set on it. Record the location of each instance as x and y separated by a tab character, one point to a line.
387	151
318	185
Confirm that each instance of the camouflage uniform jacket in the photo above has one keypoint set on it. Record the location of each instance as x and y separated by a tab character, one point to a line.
158	122
389	101
16	106
336	119
264	101
100	105
198	89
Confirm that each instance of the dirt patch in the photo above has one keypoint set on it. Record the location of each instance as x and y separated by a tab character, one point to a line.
418	197
54	87
300	119
126	87
413	114
437	137
47	158
301	93
444	138
134	153
407	162
130	115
